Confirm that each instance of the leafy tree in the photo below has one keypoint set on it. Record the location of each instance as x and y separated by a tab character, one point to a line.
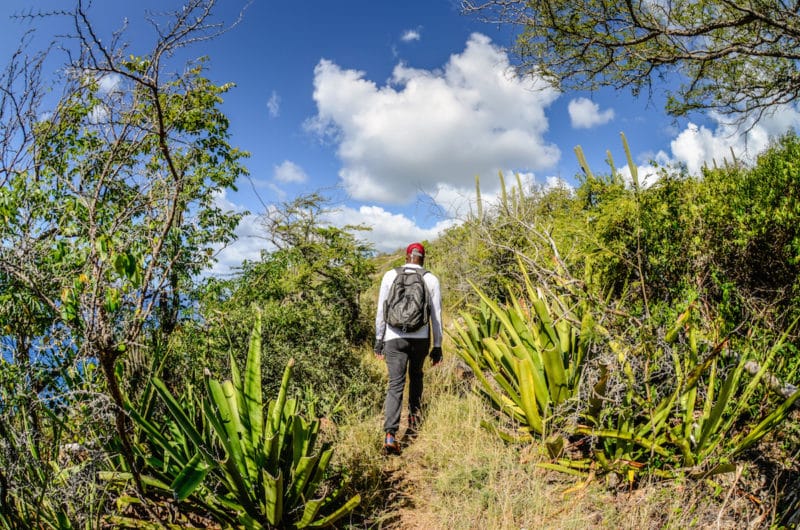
733	57
108	205
309	287
752	221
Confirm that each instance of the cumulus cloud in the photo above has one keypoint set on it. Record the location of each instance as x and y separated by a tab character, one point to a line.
585	114
553	182
411	35
274	105
289	172
697	146
425	130
390	231
249	241
109	84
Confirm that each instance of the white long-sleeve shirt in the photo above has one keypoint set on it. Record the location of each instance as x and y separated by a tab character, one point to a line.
386	332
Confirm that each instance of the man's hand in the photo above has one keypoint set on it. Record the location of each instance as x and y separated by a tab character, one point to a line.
378	349
436	355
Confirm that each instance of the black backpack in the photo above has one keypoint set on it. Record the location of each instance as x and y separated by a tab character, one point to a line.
406	307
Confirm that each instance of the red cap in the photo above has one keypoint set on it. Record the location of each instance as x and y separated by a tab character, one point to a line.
417	249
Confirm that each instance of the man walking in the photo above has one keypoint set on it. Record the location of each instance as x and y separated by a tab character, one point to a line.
409	315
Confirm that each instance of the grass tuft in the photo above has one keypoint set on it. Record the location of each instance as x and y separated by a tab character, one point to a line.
454	474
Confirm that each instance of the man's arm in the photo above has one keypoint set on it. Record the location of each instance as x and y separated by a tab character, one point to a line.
380	322
436	318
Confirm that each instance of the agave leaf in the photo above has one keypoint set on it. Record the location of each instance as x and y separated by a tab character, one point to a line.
527	396
711	428
304	435
718	469
124	477
523	437
503	403
156	436
539	381
556	375
708	405
566	339
517	318
499	313
328	520
659	416
190	477
273	497
508	385
555	445
543	312
682	443
584	338
625	435
224	420
302	473
742	401
566	466
253	399
673	332
176	410
307	491
596	399
277	409
766	425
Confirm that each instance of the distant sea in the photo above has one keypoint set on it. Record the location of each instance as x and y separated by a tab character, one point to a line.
5	348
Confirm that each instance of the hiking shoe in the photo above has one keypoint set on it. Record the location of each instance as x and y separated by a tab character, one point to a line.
414	421
390	444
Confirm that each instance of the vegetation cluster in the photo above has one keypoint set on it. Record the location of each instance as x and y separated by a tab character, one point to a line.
614	332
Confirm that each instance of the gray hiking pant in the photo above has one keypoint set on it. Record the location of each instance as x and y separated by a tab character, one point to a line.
403	355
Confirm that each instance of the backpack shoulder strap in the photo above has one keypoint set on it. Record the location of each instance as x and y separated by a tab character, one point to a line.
419	270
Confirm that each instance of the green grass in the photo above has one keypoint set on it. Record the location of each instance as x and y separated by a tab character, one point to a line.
456	475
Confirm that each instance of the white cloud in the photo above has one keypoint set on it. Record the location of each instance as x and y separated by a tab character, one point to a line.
274	105
249	239
647	174
425	131
557	182
289	172
390	231
697	146
585	114
411	35
109	84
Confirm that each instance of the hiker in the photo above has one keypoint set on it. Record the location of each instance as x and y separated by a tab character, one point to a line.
409	315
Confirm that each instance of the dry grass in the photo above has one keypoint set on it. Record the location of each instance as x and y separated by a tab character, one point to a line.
456	475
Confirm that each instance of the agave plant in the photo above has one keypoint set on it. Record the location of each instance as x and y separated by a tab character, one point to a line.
239	461
699	425
528	355
704	420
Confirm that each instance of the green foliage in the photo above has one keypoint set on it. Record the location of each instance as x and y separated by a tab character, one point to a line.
108	205
310	290
242	460
728	59
670	384
533	351
681	406
51	451
753	221
695	414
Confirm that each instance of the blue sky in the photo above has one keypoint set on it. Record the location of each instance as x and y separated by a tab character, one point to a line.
392	108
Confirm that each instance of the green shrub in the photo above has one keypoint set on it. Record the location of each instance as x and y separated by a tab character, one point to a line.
236	458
